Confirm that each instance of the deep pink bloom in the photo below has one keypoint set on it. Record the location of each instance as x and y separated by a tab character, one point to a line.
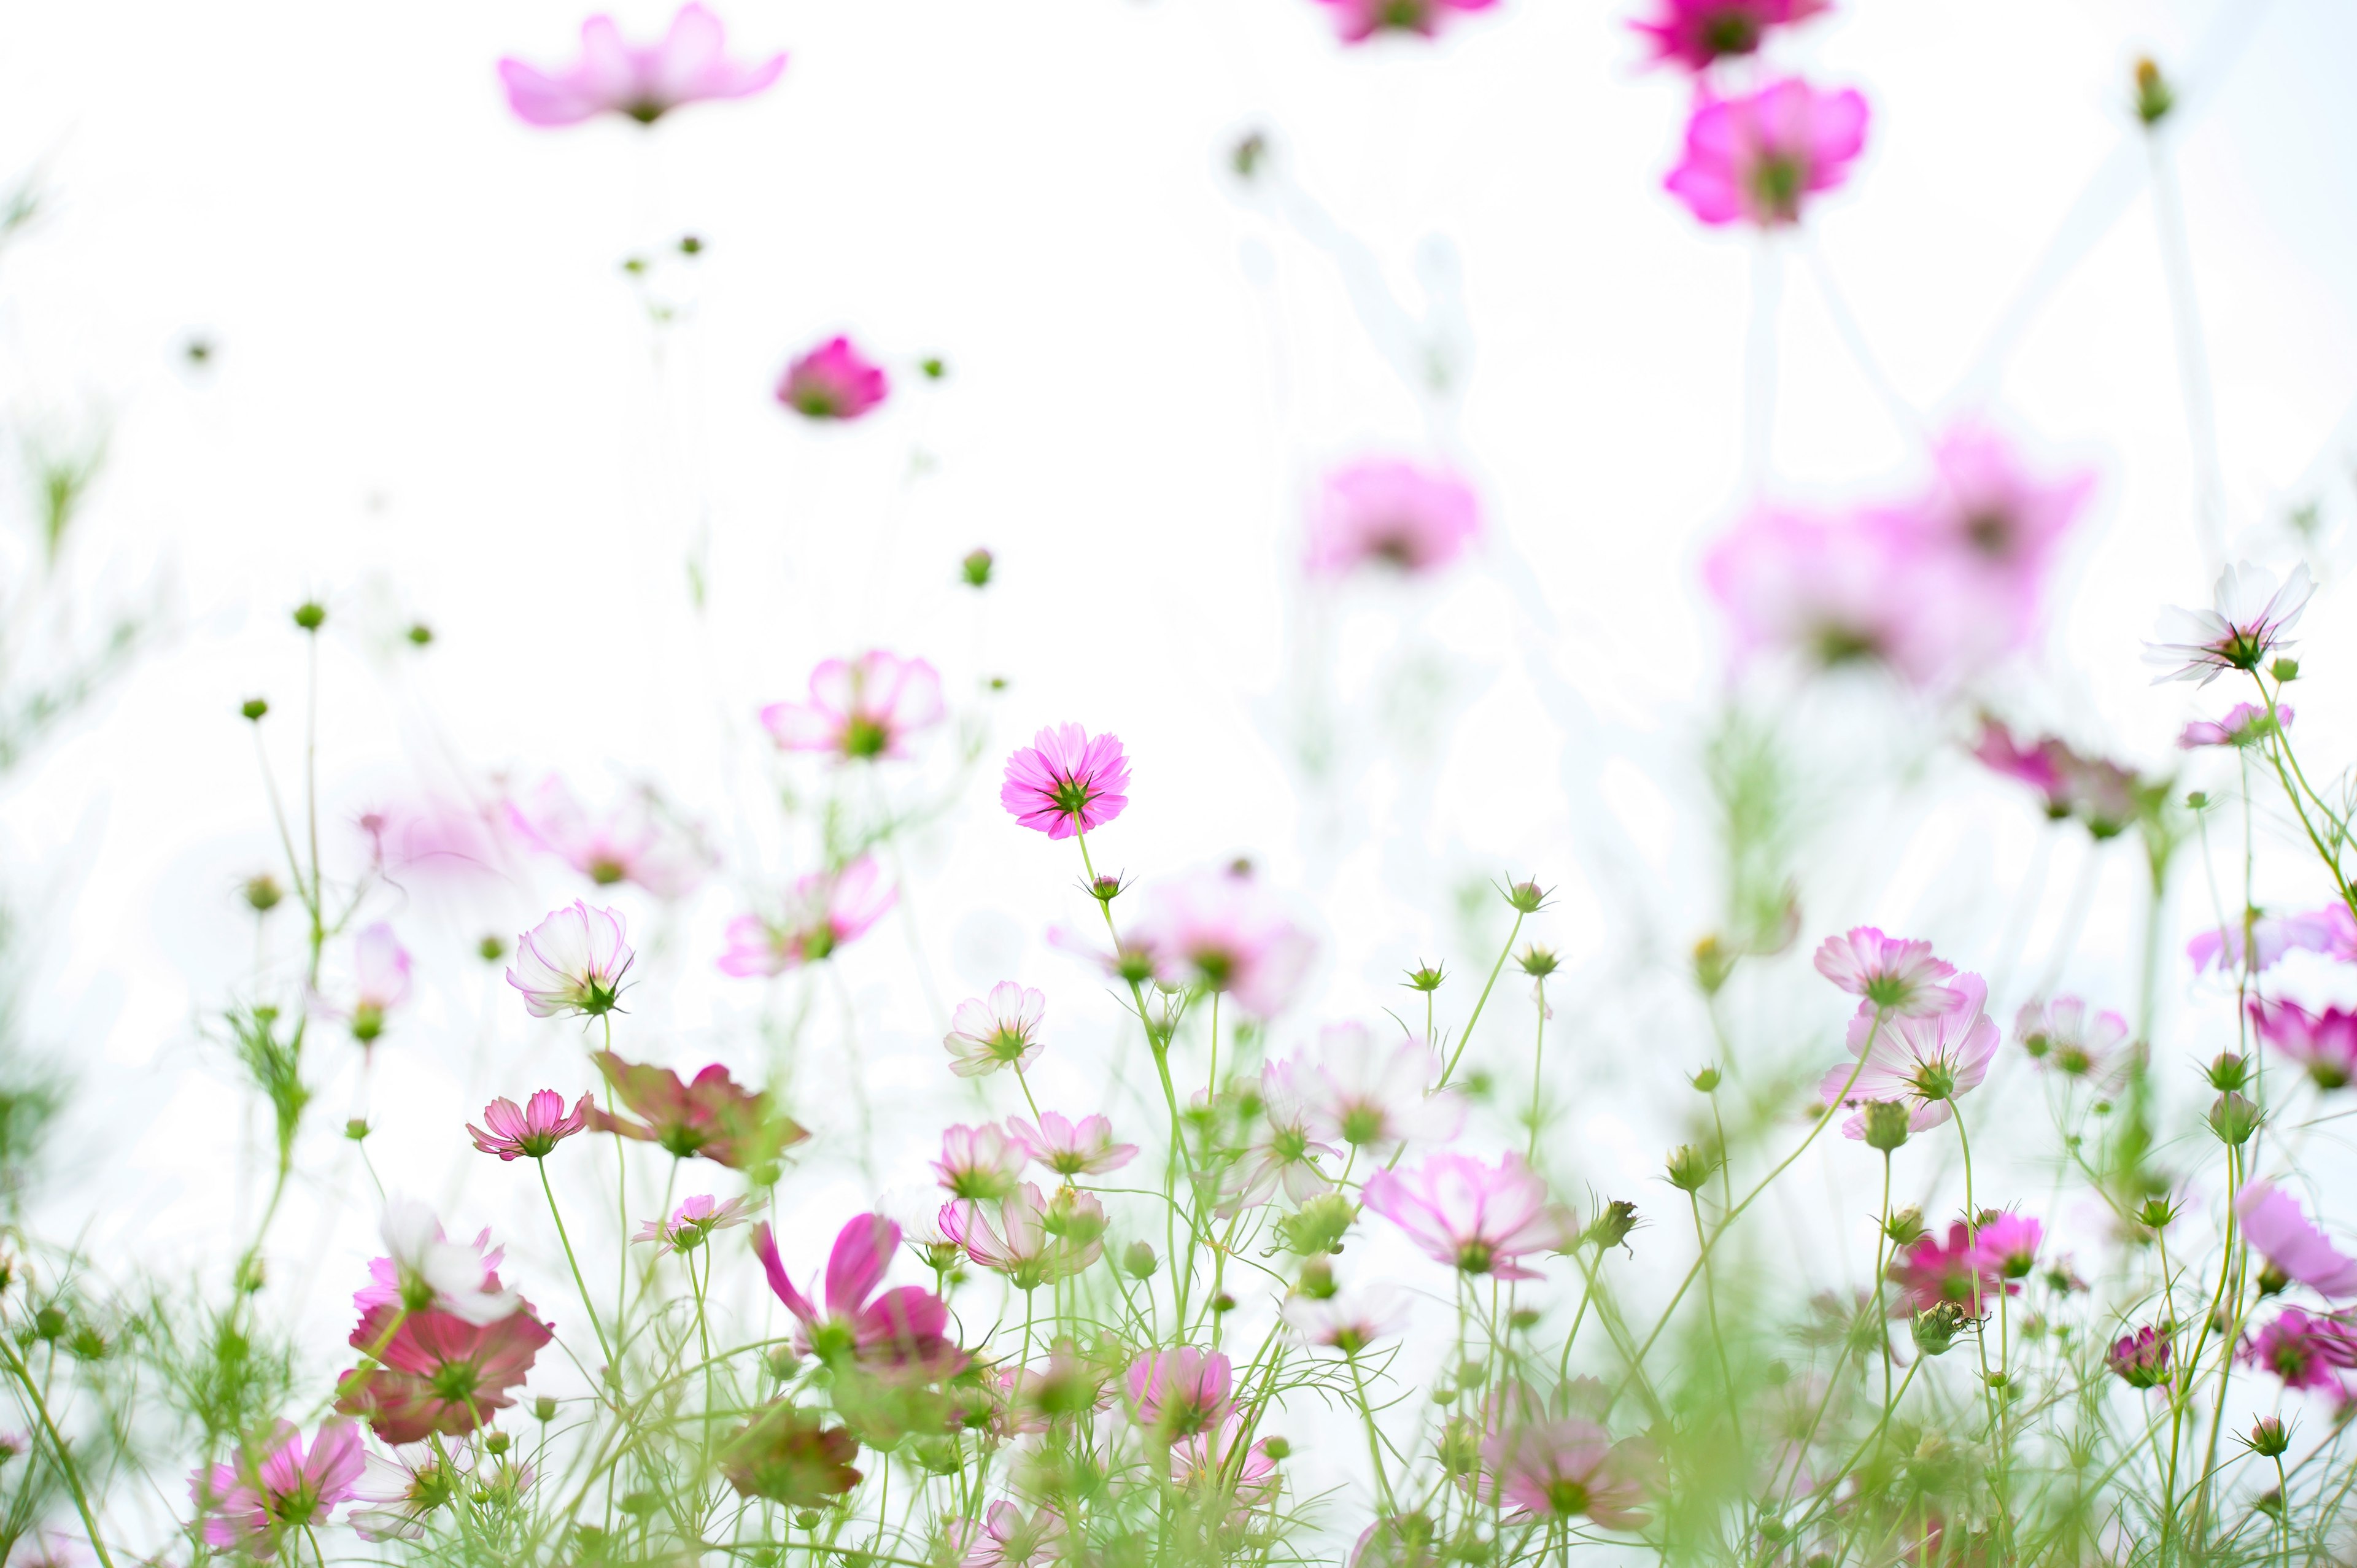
711	1114
1959	1274
2008	1245
532	1130
635	841
1065	782
1359	20
987	1033
643	81
903	1328
1030	1239
2063	1034
1699	33
693	1221
2325	1043
860	709
425	1269
981	1163
1898	978
573	962
1566	1469
2249	621
1376	1097
834	381
250	1504
2305	1352
1756	156
1921	1063
1180	1392
1477	1218
1003	1538
2332	930
1386	512
1070	1149
2246	723
439	1372
1224	931
2273	1225
2140	1359
827	909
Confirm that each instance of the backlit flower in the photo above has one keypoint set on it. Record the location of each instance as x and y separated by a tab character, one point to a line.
982	1163
2248	621
2246	723
1477	1217
2305	1352
1378	1097
2066	1036
532	1130
1180	1392
1033	1241
790	1456
903	1329
1005	1537
573	962
2008	1245
1285	1152
1758	155
1893	976
1564	1469
438	1372
636	841
2332	930
1070	1148
400	1491
1350	1321
425	1269
1002	1029
642	81
1923	1063
710	1115
834	381
1359	20
1956	1273
1219	1460
2275	1227
1225	932
1698	33
380	979
2324	1044
1995	519
1386	512
1066	781
2140	1359
693	1221
860	709
249	1505
827	909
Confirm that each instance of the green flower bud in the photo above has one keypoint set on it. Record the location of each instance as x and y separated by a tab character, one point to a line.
975	568
1886	1124
2268	1438
311	615
1138	1260
1905	1227
254	708
2234	1119
2229	1072
1527	897
1706	1079
1425	977
2153	98
1538	962
1690	1167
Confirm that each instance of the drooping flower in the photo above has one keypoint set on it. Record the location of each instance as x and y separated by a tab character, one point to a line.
1477	1217
1348	1321
1033	1241
2249	620
695	1220
982	1163
861	709
903	1328
426	1270
380	979
1180	1392
828	908
636	841
1930	1275
532	1130
2045	765
834	381
1066	781
438	1372
1069	1148
1378	1097
2332	930
1901	978
250	1504
1385	512
2305	1352
1923	1063
642	81
2246	723
2008	1245
1697	34
1003	1538
1002	1029
1285	1152
2065	1036
1359	20
400	1491
573	962
1758	156
1564	1469
2324	1044
1223	931
791	1457
2273	1225
2140	1359
710	1115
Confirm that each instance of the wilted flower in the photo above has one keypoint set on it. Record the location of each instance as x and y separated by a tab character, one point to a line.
635	841
1028	1240
1479	1218
1894	977
790	1456
1380	511
1960	1273
1566	1469
2140	1359
834	381
695	1220
426	1269
1225	932
1376	1098
2062	1035
1756	156
980	1163
711	1115
1002	1029
573	962
904	1327
2305	1352
1697	34
532	1130
1066	781
250	1504
2248	623
1350	1321
1069	1148
2273	1226
438	1372
2332	930
861	709
2324	1044
827	909
1180	1392
1359	20
642	81
2246	723
1003	1538
1923	1063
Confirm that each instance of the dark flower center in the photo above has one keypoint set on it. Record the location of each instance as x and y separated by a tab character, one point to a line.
864	737
1990	533
1836	645
1567	1496
1405	14
1776	183
1476	1257
1730	33
1362	1124
605	870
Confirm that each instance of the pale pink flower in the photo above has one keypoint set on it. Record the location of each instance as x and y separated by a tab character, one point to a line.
1065	781
2045	765
1180	1392
1225	932
1892	976
1995	522
635	840
693	1221
1218	1460
532	1130
1286	1152
1379	1097
1921	1063
903	1328
860	709
2246	723
2247	622
1070	1149
2324	1044
982	1163
573	962
2332	930
251	1504
380	982
1564	1469
1002	1029
2273	1225
642	81
427	1270
1697	34
1385	512
1756	156
1350	1321
1477	1217
1359	20
2063	1034
827	908
1003	1538
2305	1352
1033	1241
401	1490
834	381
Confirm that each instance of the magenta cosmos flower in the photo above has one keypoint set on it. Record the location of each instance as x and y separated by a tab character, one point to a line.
250	1504
711	1115
1566	1469
1180	1392
1071	1149
1477	1217
2008	1244
2332	930
1374	1097
1002	1029
1066	782
439	1372
982	1163
1995	525
1386	512
1030	1239
2246	723
860	709
693	1221
634	842
1697	34
2305	1352
530	1131
1359	20
1921	1063
642	81
2324	1044
1958	1274
2066	1036
834	381
1224	931
2248	621
2140	1359
572	962
903	1329
1005	1537
827	909
1890	975
2273	1223
1756	157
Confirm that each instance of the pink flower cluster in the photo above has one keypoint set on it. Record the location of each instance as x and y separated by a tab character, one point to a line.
1971	1269
1920	1041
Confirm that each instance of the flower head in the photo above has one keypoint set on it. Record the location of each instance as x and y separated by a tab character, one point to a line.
2008	1245
2103	796
1285	1152
1180	1392
1225	932
380	979
642	81
2065	1036
904	1328
401	1490
2249	619
2246	723
1697	34
1958	1274
2324	1044
1385	512
424	1269
250	1504
437	1371
790	1455
1995	519
1758	156
982	1163
573	962
1378	1097
1030	1239
532	1130
1477	1218
1066	781
1359	20
1221	1460
1923	1063
1002	1029
828	908
2140	1359
1563	1469
861	709
695	1220
1350	1321
1898	978
2273	1223
1070	1148
2305	1352
636	841
834	381
711	1114
1007	1538
2332	930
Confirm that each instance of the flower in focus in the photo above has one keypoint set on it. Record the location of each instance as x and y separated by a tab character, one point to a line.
1351	1321
380	979
1921	1063
1180	1392
903	1329
2248	621
1359	20
1697	34
2273	1223
1477	1217
834	381
1564	1469
695	1220
1030	1240
790	1456
427	1270
2332	930
1375	1099
1757	155
573	962
438	1372
1002	1029
1066	781
2062	1035
1381	512
711	1115
1895	977
1003	1538
2305	1352
532	1130
827	909
636	841
1285	1152
1223	931
2246	723
1070	1149
860	710
983	1163
2008	1245
2140	1359
1959	1274
401	1490
643	81
250	1505
2324	1044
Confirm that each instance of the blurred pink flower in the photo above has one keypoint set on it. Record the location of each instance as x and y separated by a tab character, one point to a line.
2246	723
1286	1151
1069	1149
2273	1225
2332	930
1350	1321
573	962
1564	1469
425	1270
437	1372
1030	1239
693	1221
2324	1044
1359	20
1385	512
1002	1029
2140	1359
1891	975
1180	1392
1995	521
711	1115
1223	931
635	841
827	909
1375	1097
532	1130
643	81
2008	1245
982	1163
834	381
1477	1217
1959	1274
1923	1063
2062	1035
380	982
1065	781
2248	620
1697	34
1218	1460
249	1505
2104	797
1003	1538
1756	156
861	709
904	1327
2305	1352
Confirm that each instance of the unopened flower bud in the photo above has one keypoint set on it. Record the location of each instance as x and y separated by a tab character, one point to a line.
975	568
1245	156
1316	1280
1527	897
2273	1281
356	1129
1936	1329
1425	977
1224	1301
782	1362
1538	962
2157	1214
1277	1448
1138	1259
262	892
491	949
543	1409
49	1323
934	366
311	615
1713	963
254	708
420	635
1905	1227
2153	98
1689	1168
1522	1320
2234	1119
808	1519
1460	1446
2268	1438
2229	1072
1886	1124
1706	1080
496	1443
2285	668
691	245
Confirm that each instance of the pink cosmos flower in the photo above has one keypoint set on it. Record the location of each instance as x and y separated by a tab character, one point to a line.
1697	34
834	381
1066	782
2065	1036
2324	1044
1069	1149
2008	1245
695	1220
1225	932
981	1163
636	841
439	1372
2305	1352
380	979
401	1490
1898	978
643	81
1218	1460
2140	1359
1006	1538
1180	1392
532	1130
861	709
1359	20
1756	156
1960	1273
1350	1321
1477	1217
2249	621
2246	723
2273	1223
425	1270
904	1327
1993	527
1033	1241
2332	930
1285	1152
1002	1029
1921	1063
2045	766
1378	1097
710	1115
1566	1469
1381	512
573	962
827	909
249	1505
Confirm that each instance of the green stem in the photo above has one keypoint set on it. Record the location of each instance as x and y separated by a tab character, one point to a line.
67	1467
1466	1038
579	1283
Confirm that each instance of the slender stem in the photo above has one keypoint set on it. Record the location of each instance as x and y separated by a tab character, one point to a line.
1466	1037
1375	1443
67	1467
579	1283
1538	1058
